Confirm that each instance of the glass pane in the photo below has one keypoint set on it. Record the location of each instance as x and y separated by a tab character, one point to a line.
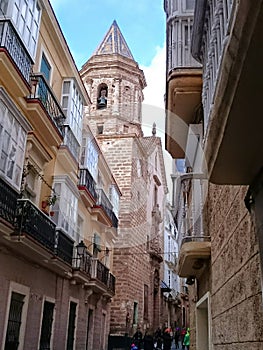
66	87
45	67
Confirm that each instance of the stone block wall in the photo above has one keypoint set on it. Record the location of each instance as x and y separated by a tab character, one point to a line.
236	298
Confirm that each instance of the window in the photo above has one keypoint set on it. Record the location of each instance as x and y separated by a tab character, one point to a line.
45	67
89	325
12	143
99	129
96	245
90	156
145	302
135	313
14	321
189	4
26	16
71	325
72	105
65	208
114	198
46	327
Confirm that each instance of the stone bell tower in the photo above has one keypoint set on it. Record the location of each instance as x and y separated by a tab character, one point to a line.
115	85
114	82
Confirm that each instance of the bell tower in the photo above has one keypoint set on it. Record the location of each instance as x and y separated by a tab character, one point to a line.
114	83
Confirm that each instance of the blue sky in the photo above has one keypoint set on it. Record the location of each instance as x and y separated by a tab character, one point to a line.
85	22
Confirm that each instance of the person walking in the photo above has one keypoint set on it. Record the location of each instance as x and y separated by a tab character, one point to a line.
137	338
148	341
167	339
186	341
176	338
183	332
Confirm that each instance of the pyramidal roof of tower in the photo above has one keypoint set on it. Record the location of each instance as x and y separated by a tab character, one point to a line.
114	43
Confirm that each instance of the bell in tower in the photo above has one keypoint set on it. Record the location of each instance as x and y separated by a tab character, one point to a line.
102	100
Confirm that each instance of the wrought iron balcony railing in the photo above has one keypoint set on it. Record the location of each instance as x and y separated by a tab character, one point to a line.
99	271
86	180
82	262
64	246
104	202
30	220
191	191
8	201
10	40
43	92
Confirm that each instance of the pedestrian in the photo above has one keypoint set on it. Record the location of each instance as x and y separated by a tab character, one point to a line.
167	339
158	338
148	342
187	339
134	347
137	338
183	332
176	338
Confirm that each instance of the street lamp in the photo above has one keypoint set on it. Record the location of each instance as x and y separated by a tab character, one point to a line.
81	248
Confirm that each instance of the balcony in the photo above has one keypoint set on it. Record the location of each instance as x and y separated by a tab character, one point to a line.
194	244
82	267
8	201
45	112
93	274
227	40
15	62
36	233
31	222
64	246
103	209
184	83
87	187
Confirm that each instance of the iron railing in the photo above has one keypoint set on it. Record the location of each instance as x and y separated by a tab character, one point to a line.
43	92
104	202
64	246
99	271
82	262
10	40
30	220
191	194
86	180
8	201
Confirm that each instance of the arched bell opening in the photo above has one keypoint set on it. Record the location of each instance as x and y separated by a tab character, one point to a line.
102	96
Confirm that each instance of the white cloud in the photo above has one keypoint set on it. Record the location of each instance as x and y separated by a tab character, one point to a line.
154	107
155	78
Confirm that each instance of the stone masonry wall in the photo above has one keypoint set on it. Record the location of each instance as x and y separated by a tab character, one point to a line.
236	288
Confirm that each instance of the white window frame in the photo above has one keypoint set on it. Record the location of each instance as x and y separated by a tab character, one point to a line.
24	127
24	290
66	209
74	108
20	12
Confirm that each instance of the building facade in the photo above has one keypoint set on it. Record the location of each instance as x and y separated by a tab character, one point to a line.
57	221
217	201
115	83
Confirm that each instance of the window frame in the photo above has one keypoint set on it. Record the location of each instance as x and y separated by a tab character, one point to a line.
24	290
24	127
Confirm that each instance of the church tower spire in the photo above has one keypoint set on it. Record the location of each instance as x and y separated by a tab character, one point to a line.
114	43
115	85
